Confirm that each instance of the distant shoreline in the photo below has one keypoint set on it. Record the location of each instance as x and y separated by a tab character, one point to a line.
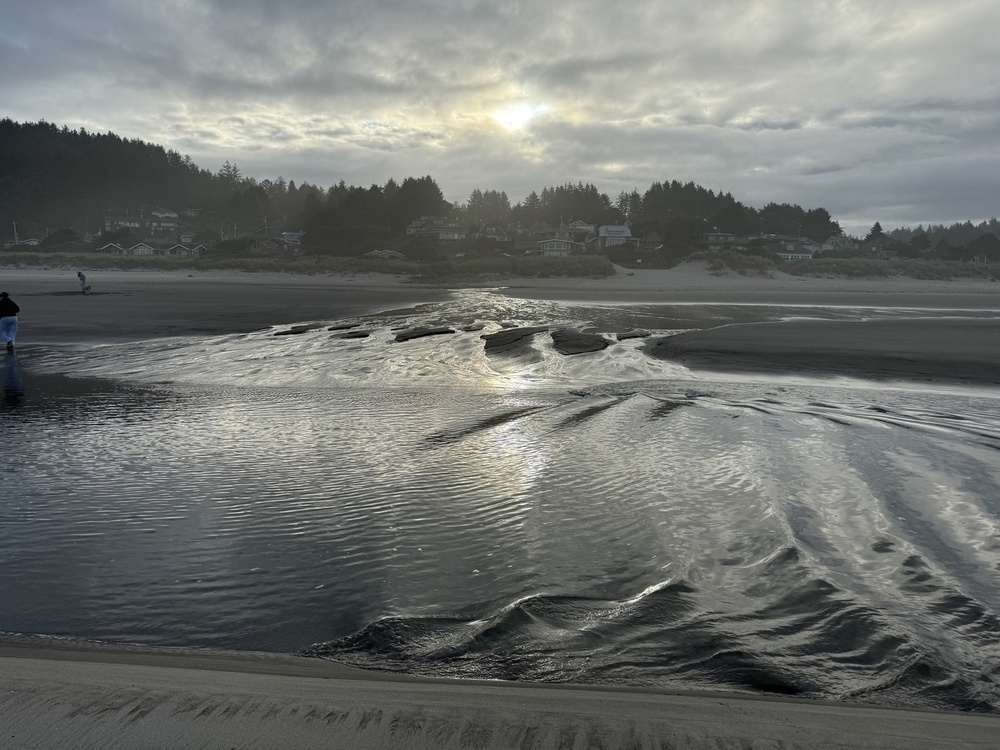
141	304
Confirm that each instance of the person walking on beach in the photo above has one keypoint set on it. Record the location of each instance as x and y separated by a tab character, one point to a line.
83	282
8	320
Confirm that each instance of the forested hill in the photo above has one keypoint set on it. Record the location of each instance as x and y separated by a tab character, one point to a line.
54	178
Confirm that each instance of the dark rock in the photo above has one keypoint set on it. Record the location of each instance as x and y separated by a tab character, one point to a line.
418	333
568	341
508	339
353	335
637	334
343	327
296	330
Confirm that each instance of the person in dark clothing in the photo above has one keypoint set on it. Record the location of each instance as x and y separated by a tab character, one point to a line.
8	320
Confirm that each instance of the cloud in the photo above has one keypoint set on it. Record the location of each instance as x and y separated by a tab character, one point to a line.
865	107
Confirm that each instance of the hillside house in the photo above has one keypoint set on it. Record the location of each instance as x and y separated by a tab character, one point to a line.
163	219
557	248
578	231
114	222
437	228
611	235
840	243
721	241
496	233
264	245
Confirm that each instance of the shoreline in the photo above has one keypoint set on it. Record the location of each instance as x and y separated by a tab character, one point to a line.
56	693
143	304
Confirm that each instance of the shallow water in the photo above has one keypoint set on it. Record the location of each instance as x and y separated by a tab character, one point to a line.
424	506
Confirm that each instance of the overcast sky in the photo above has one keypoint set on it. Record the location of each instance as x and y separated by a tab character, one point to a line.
875	110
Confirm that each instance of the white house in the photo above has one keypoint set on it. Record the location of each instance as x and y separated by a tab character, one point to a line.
790	252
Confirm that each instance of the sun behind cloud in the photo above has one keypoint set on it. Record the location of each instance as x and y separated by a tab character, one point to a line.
516	116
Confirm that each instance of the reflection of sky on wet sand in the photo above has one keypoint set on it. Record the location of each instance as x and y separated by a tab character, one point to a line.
589	517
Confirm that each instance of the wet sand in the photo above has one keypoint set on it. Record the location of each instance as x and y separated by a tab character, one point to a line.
63	694
131	305
142	304
952	350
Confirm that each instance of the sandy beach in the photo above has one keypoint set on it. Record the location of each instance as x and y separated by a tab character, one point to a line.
57	694
169	303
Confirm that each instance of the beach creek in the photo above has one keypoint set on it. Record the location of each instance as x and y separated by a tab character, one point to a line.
386	491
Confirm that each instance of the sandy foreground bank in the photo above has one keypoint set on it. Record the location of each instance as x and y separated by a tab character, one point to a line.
68	695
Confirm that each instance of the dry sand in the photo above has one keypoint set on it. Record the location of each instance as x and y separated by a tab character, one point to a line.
55	695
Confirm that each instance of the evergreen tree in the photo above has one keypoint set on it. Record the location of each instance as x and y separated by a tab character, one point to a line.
875	233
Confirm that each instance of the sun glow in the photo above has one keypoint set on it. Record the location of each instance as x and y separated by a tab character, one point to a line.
516	116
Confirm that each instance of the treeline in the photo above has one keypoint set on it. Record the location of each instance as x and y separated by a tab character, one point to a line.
53	178
675	210
960	241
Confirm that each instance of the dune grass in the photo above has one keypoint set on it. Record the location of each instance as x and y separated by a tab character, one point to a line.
502	266
862	268
721	262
